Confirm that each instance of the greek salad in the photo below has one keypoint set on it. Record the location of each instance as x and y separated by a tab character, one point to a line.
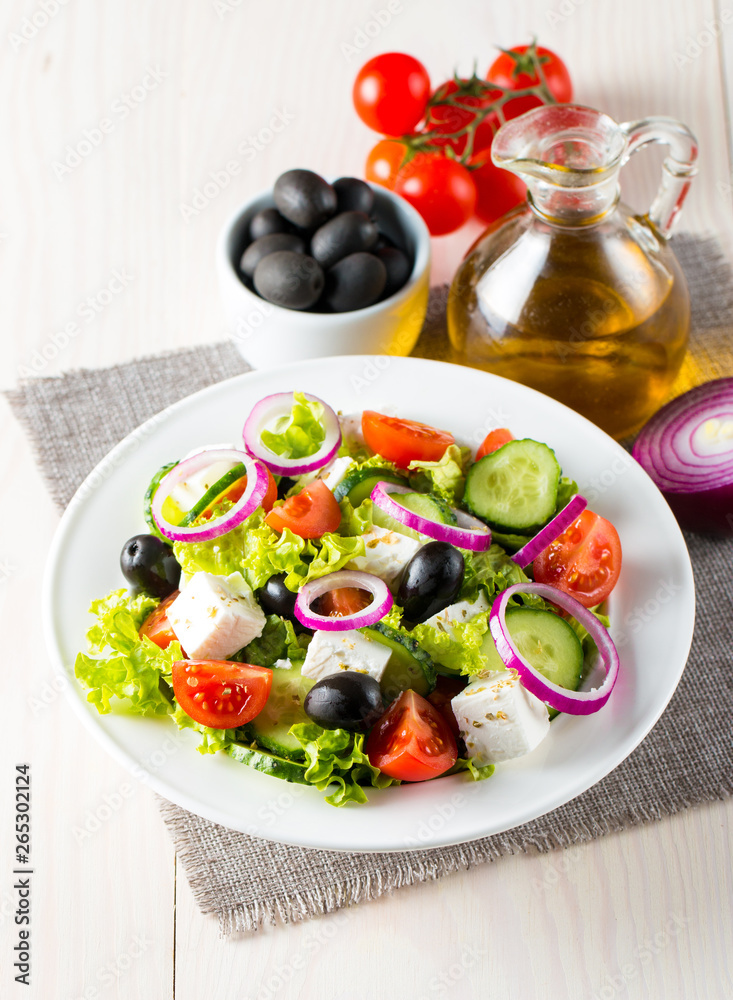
359	600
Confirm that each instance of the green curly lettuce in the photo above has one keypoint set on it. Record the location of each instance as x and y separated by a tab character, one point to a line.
212	740
299	433
491	571
278	641
446	478
122	666
335	757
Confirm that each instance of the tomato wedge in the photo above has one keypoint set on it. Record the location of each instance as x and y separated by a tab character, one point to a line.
412	741
310	514
404	441
493	441
221	694
157	627
342	602
585	561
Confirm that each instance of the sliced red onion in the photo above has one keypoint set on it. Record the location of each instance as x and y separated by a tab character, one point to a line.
560	522
381	603
257	480
560	698
469	533
278	405
687	449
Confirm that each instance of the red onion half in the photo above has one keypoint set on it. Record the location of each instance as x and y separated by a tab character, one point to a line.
469	533
381	603
278	405
687	449
560	698
257	480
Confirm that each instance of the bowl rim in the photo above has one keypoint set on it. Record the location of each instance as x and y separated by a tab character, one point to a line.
420	266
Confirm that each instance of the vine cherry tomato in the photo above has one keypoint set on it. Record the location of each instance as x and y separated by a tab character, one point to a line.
220	694
514	70
493	441
445	119
585	561
310	514
498	191
441	189
404	441
384	161
391	92
157	627
412	741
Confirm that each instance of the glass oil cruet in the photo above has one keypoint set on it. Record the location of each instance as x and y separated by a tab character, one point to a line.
572	293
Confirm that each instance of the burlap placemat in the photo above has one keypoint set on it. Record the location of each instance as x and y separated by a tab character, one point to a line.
74	420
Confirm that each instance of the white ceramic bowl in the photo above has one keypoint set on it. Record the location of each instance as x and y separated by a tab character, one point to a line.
652	610
267	335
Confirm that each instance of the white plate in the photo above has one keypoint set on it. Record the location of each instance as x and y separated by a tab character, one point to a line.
652	610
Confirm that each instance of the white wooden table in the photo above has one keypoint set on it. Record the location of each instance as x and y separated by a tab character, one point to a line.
184	87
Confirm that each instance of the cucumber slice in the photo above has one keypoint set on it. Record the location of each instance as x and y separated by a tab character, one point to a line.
268	763
212	494
515	488
148	502
425	504
409	665
358	485
284	707
547	642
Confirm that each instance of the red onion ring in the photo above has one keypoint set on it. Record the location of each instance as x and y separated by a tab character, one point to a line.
692	467
276	406
572	702
343	578
560	522
469	533
257	480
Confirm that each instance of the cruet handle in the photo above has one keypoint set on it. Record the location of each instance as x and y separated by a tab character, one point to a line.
677	171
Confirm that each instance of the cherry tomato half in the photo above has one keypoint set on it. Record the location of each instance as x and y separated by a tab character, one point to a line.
391	92
514	70
404	441
441	189
585	561
342	602
412	741
310	514
493	441
220	694
157	627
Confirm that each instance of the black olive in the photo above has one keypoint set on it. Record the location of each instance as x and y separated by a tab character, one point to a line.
353	195
266	245
149	564
276	599
304	198
289	279
266	222
344	234
355	282
347	700
398	269
430	581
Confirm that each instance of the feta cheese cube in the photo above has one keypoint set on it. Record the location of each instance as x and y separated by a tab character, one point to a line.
330	652
499	718
386	554
334	473
351	427
461	611
214	616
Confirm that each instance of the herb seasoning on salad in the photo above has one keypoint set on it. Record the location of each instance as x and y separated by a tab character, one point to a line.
351	601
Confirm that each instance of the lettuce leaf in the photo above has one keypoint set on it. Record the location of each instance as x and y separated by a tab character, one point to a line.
446	478
298	434
355	520
477	773
334	756
212	740
120	664
492	571
277	642
566	489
